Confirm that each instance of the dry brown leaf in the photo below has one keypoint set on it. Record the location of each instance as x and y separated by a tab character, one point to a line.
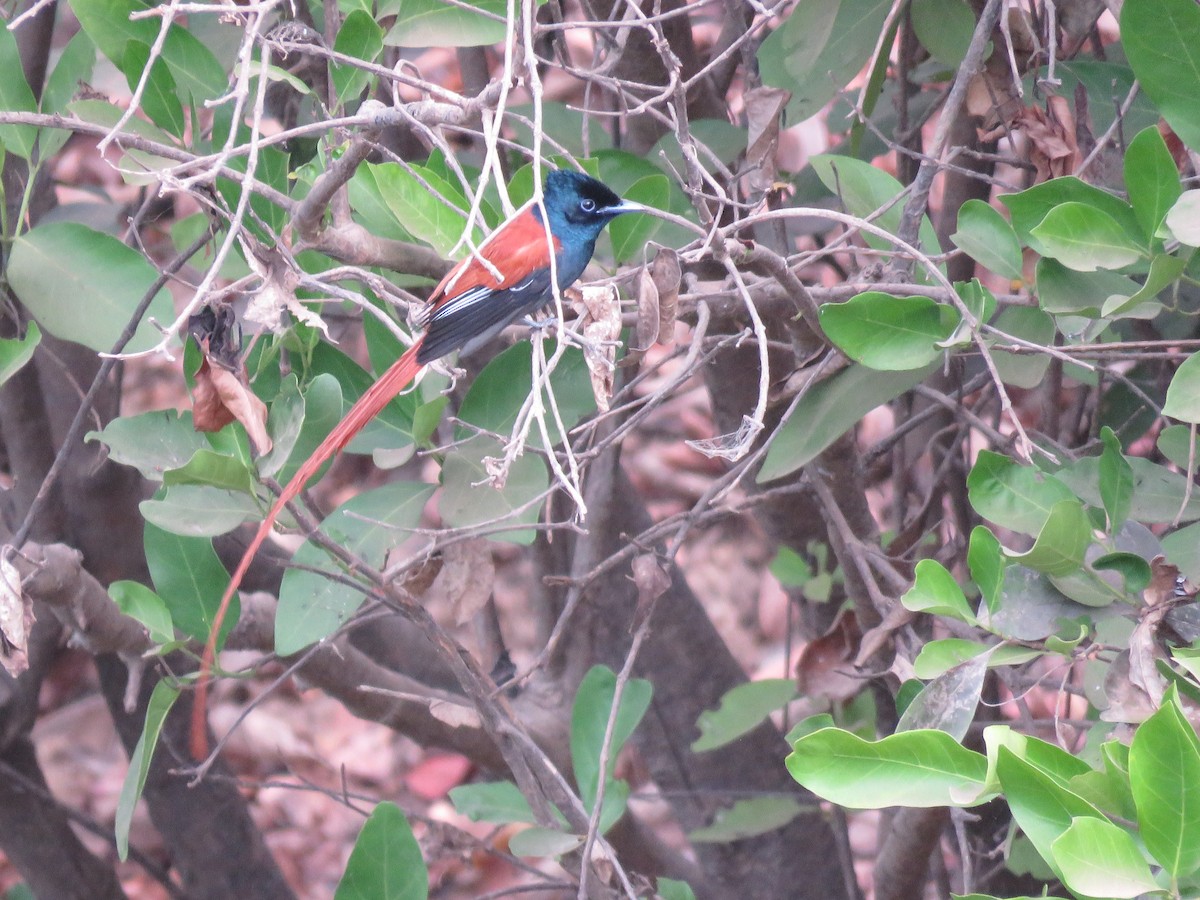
1163	579
880	636
825	667
1126	701
220	396
651	581
456	715
764	107
465	580
277	293
599	308
222	393
668	276
1053	147
646	332
16	620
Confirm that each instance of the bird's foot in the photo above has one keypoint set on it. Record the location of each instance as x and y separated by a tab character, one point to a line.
538	325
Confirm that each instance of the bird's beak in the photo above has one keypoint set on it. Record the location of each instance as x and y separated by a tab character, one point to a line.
625	206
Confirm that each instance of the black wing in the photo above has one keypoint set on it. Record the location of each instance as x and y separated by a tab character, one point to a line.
477	315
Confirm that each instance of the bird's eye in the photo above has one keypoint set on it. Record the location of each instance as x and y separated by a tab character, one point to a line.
587	204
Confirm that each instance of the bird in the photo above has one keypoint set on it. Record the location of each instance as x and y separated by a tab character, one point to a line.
510	276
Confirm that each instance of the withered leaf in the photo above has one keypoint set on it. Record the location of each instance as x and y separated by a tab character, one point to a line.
826	665
220	396
16	620
1127	702
651	581
465	580
668	276
646	332
277	293
599	309
764	106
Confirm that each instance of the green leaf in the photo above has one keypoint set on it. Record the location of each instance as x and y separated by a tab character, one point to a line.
1048	759
431	208
220	470
1085	238
1157	491
985	558
1133	569
320	408
1151	179
1182	548
390	430
945	29
199	510
497	394
1164	271
865	190
589	720
74	66
138	166
495	801
160	99
362	38
1183	218
819	48
431	23
1183	394
386	862
139	602
743	708
939	656
886	332
1030	208
543	842
1062	541
631	232
83	285
15	96
790	568
936	592
1064	291
16	352
1098	859
984	234
749	818
982	304
1116	480
370	209
1030	607
1011	495
1159	39
190	579
1164	774
830	409
312	606
107	23
668	889
152	442
1029	324
160	704
191	63
1041	806
193	66
948	702
915	768
1176	443
1108	789
468	497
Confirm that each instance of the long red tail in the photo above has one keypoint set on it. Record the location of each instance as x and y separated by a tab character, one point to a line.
368	406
